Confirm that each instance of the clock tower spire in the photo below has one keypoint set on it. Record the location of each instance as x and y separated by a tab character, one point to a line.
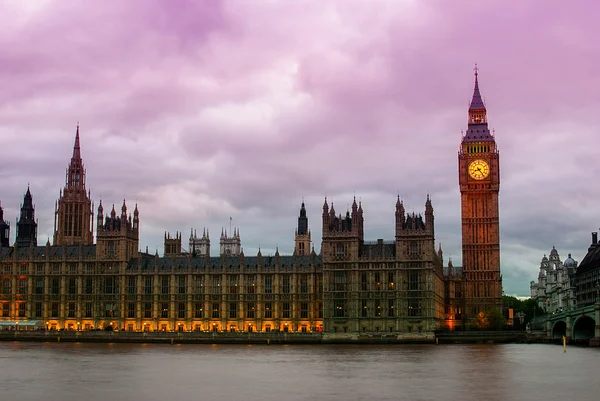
479	179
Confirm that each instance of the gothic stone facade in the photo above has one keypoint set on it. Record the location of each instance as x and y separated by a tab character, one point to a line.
394	286
354	286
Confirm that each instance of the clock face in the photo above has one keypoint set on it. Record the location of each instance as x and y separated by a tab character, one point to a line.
479	169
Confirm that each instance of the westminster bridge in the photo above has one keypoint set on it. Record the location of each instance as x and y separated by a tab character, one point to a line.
576	324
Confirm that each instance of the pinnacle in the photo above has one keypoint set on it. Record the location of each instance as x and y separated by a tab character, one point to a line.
76	148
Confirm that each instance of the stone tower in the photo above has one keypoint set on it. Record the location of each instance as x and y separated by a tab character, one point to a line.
479	179
27	226
199	246
4	229
302	237
172	244
117	238
342	236
73	213
415	244
230	246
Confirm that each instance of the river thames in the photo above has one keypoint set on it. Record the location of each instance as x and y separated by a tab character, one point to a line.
101	372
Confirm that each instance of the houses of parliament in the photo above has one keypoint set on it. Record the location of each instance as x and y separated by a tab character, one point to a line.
399	286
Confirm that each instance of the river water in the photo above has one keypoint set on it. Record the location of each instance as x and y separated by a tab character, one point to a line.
102	372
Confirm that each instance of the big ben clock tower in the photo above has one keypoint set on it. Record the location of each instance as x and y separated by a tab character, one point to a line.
479	179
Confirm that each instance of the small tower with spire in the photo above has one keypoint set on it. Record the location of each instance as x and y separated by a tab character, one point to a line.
117	236
199	246
27	226
4	229
172	244
73	212
342	236
415	237
230	245
302	235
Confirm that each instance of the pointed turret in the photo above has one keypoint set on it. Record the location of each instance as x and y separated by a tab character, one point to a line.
476	101
76	148
302	237
4	229
74	212
27	226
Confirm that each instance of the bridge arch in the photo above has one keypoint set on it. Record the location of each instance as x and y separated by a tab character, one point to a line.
559	329
584	328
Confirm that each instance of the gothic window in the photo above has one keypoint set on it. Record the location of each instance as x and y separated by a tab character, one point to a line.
268	284
110	310
111	249
340	250
38	309
182	285
268	310
131	309
216	284
413	251
414	307
391	308
378	307
215	310
339	281
164	286
148	310
21	309
23	286
339	308
363	309
304	310
233	284
198	310
164	310
72	286
363	281
251	309
286	284
55	286
39	286
413	280
285	310
109	285
251	284
89	285
131	285
304	284
148	285
199	284
181	309
391	281
54	309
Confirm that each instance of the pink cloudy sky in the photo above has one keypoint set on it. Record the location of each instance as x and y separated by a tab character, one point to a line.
202	110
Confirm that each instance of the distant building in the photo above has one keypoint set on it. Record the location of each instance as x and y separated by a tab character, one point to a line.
555	289
199	246
230	245
587	278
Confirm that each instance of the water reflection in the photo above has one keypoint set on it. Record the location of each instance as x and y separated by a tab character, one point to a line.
51	371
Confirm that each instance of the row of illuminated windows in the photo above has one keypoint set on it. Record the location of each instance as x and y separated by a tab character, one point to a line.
376	308
251	310
54	268
374	281
110	285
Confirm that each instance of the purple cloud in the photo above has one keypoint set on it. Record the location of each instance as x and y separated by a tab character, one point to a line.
201	110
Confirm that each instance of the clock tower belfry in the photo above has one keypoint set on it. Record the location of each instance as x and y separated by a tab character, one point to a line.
479	179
